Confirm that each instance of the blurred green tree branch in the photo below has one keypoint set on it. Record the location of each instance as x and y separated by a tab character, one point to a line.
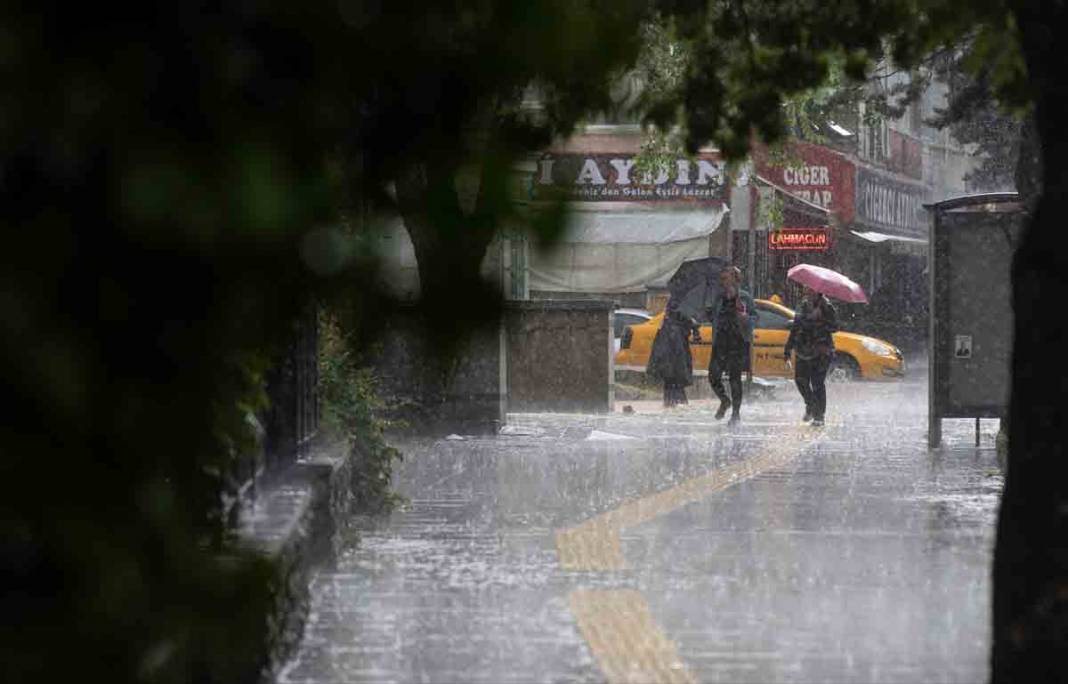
174	178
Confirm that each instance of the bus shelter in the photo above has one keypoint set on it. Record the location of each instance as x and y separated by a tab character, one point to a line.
972	243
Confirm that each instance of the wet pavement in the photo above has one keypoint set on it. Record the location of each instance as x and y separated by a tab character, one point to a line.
666	547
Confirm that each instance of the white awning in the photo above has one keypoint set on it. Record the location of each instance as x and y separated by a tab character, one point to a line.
872	236
641	227
612	250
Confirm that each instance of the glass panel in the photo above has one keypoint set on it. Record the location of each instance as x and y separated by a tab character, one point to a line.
623	320
769	320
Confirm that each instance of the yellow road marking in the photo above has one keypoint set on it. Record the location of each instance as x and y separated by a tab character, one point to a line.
617	624
595	545
628	645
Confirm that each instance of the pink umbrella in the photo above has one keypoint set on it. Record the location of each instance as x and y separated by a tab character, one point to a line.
828	282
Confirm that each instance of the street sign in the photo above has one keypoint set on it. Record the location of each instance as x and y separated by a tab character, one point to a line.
962	347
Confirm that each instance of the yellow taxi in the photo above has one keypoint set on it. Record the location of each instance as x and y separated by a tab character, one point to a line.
856	356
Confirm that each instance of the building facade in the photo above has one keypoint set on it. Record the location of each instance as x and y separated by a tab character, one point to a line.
871	177
625	232
851	200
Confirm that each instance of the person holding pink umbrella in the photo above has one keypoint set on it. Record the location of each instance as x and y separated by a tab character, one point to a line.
811	334
828	282
811	338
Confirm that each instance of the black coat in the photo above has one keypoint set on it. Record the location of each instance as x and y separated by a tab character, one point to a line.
670	361
732	337
811	334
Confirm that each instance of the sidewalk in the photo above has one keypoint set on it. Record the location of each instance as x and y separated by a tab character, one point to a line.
663	546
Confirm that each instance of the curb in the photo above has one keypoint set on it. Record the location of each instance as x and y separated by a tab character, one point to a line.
297	521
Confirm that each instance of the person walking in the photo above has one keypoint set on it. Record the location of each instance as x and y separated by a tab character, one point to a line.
733	317
670	360
811	337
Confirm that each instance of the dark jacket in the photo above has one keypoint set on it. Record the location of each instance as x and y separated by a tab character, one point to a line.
811	334
670	360
724	317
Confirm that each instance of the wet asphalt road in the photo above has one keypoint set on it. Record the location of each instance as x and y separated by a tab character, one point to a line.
655	546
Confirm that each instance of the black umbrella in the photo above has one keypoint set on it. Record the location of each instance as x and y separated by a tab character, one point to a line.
695	286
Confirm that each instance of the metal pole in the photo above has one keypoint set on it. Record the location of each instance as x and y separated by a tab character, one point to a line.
934	418
976	432
751	268
751	257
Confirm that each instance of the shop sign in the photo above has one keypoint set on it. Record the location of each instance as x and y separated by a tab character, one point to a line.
814	173
800	239
889	205
615	178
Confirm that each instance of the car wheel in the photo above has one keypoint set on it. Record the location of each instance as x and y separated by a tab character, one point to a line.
844	368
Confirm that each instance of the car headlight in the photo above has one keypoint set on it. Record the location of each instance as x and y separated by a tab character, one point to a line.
876	347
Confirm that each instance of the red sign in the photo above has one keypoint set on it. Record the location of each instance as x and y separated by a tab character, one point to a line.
800	239
815	174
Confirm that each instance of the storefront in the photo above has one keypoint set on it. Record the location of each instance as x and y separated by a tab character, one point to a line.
889	255
625	232
828	210
799	204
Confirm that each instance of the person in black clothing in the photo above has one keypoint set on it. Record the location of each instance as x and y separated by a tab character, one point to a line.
811	338
733	319
670	360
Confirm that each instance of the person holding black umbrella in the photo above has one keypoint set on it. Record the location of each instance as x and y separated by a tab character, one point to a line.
670	361
692	287
733	315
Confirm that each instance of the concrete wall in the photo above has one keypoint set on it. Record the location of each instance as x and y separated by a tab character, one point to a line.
408	366
620	299
301	520
560	356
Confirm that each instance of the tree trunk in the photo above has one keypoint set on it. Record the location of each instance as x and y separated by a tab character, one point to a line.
1028	175
1030	616
449	245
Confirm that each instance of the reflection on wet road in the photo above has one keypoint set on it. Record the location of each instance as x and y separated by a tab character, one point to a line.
667	547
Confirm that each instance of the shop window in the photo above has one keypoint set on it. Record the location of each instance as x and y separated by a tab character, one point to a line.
916	117
874	135
516	270
621	321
